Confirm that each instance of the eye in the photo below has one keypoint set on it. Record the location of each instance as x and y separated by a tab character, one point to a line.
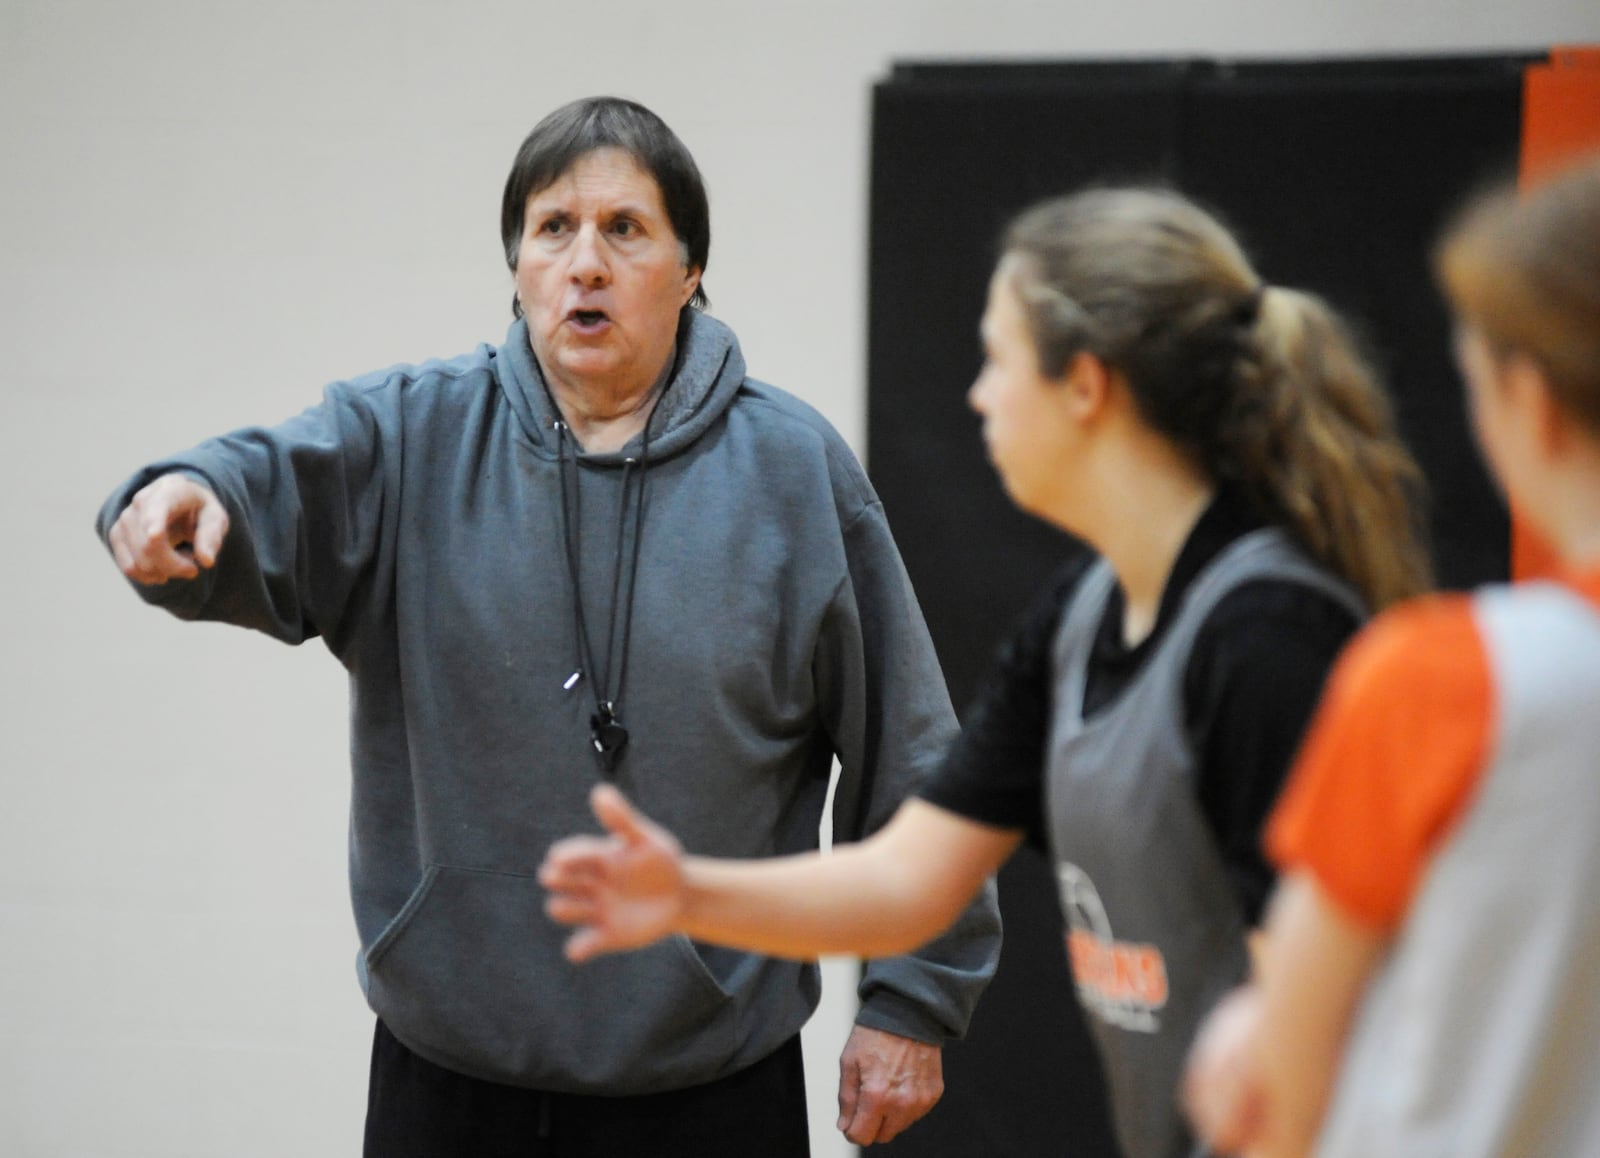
623	227
552	227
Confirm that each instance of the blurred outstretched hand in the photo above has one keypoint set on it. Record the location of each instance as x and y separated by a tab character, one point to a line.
624	890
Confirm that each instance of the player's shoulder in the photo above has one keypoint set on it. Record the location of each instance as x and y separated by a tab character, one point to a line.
1427	646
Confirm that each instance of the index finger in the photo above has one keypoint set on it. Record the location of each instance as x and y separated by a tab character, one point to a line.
210	530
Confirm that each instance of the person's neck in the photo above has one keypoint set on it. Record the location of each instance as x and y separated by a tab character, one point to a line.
1571	518
1140	529
604	420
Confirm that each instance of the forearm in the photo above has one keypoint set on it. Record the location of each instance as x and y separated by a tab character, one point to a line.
880	898
849	901
1314	969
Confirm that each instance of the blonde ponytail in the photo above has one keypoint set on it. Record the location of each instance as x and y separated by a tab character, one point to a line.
1313	437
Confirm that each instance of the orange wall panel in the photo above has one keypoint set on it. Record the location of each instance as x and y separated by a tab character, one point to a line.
1560	122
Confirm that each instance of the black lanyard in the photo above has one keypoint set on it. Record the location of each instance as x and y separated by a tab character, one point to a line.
607	736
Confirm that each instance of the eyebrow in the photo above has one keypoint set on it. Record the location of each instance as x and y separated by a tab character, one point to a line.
627	209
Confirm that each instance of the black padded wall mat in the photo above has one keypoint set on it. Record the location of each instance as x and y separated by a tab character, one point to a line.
1336	175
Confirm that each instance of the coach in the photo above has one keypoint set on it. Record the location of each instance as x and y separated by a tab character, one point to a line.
598	551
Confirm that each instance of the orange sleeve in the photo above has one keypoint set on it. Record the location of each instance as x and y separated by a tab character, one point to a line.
1390	759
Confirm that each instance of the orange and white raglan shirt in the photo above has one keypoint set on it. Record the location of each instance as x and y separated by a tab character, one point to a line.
1448	795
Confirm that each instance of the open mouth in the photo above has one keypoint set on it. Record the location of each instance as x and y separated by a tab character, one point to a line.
588	319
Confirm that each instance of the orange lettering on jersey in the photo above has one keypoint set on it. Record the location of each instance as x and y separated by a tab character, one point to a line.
1122	972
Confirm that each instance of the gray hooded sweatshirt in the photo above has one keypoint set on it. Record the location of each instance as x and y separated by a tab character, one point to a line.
415	520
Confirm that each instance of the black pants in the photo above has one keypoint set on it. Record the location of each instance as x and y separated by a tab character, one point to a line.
416	1109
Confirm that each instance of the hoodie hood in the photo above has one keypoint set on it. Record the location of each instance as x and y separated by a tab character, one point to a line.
707	373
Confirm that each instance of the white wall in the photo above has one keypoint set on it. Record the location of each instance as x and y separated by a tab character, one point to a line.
208	208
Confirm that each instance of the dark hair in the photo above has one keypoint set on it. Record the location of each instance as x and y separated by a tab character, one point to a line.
1259	386
1525	273
577	129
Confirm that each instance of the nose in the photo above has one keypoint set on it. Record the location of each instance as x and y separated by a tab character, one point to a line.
975	394
588	266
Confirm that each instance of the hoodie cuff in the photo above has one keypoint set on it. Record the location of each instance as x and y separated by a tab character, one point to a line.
888	1011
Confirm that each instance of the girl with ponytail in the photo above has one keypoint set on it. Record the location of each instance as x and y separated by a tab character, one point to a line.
1229	456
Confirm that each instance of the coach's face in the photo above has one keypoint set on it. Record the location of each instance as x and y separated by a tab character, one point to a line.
602	276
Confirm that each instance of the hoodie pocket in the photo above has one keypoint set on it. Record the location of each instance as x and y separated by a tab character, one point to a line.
471	975
402	919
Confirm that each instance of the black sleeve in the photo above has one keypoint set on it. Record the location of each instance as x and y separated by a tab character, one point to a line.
1254	679
994	772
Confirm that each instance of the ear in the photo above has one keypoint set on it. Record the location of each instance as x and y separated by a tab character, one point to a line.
1087	386
691	282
